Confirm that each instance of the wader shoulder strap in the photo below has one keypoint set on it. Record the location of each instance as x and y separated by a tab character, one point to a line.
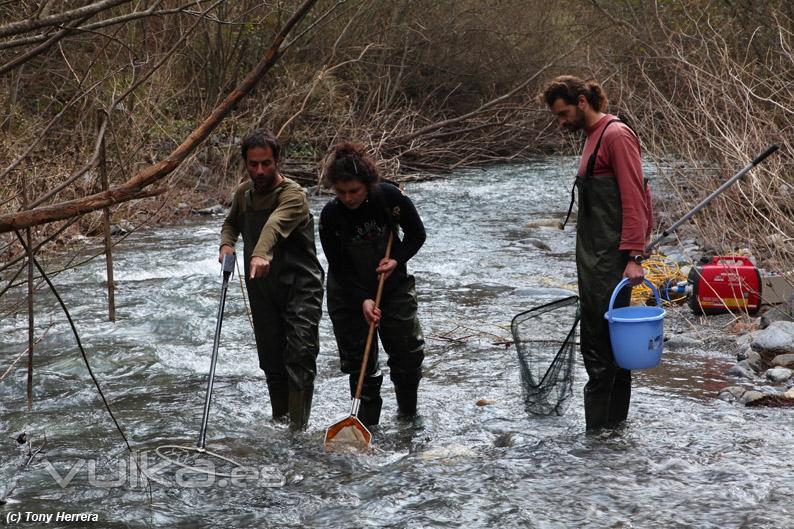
379	200
570	206
588	172
247	202
592	160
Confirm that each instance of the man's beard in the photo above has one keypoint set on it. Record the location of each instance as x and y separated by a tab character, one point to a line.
578	123
264	183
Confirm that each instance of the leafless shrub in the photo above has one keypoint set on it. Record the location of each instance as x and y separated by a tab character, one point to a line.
709	88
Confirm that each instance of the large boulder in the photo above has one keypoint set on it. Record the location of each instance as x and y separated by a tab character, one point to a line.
773	313
777	339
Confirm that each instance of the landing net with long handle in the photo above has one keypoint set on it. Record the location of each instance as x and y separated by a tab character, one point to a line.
545	338
350	434
198	458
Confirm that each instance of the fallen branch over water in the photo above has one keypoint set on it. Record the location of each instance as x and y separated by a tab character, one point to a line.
136	186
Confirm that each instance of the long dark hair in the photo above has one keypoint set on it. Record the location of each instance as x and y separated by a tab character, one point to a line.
569	88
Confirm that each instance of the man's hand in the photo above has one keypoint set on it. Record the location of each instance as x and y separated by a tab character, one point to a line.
259	267
386	266
634	272
225	250
371	314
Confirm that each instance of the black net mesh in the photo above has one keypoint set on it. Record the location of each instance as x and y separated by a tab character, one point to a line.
545	338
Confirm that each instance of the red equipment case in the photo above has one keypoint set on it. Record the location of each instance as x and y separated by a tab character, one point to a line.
728	282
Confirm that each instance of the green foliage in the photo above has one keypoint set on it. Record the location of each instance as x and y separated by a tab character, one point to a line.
303	149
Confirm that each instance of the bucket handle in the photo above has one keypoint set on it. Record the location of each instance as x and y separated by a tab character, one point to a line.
623	284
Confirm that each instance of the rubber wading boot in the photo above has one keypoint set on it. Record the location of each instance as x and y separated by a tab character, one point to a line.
406	400
371	401
300	407
596	410
279	399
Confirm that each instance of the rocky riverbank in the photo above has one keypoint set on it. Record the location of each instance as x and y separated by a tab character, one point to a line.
765	366
763	344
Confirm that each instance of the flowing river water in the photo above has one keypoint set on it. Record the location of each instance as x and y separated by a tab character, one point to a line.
684	460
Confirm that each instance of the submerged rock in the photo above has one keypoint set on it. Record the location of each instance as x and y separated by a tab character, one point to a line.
542	292
741	370
752	396
682	341
544	223
537	243
452	451
732	393
504	440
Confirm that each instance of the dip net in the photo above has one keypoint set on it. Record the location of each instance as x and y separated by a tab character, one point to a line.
348	439
545	338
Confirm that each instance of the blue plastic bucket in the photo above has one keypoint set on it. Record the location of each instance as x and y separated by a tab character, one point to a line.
637	333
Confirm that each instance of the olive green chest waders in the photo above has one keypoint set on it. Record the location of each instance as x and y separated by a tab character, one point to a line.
286	306
399	329
600	265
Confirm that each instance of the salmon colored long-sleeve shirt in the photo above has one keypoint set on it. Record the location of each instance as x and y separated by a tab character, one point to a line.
619	156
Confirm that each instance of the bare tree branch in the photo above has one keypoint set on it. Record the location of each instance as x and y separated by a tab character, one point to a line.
136	186
41	48
23	26
103	127
151	12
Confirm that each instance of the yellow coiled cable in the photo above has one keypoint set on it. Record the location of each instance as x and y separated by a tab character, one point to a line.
659	269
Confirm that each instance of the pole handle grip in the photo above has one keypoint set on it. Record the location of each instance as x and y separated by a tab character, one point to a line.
229	261
769	150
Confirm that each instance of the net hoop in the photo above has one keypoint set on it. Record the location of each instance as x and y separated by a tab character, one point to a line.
188	450
547	377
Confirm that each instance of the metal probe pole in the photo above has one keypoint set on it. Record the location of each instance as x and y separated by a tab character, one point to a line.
758	159
229	261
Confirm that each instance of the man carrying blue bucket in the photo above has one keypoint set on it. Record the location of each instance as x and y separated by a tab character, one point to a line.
613	226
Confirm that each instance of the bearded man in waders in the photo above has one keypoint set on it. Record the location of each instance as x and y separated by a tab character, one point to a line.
283	276
613	226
